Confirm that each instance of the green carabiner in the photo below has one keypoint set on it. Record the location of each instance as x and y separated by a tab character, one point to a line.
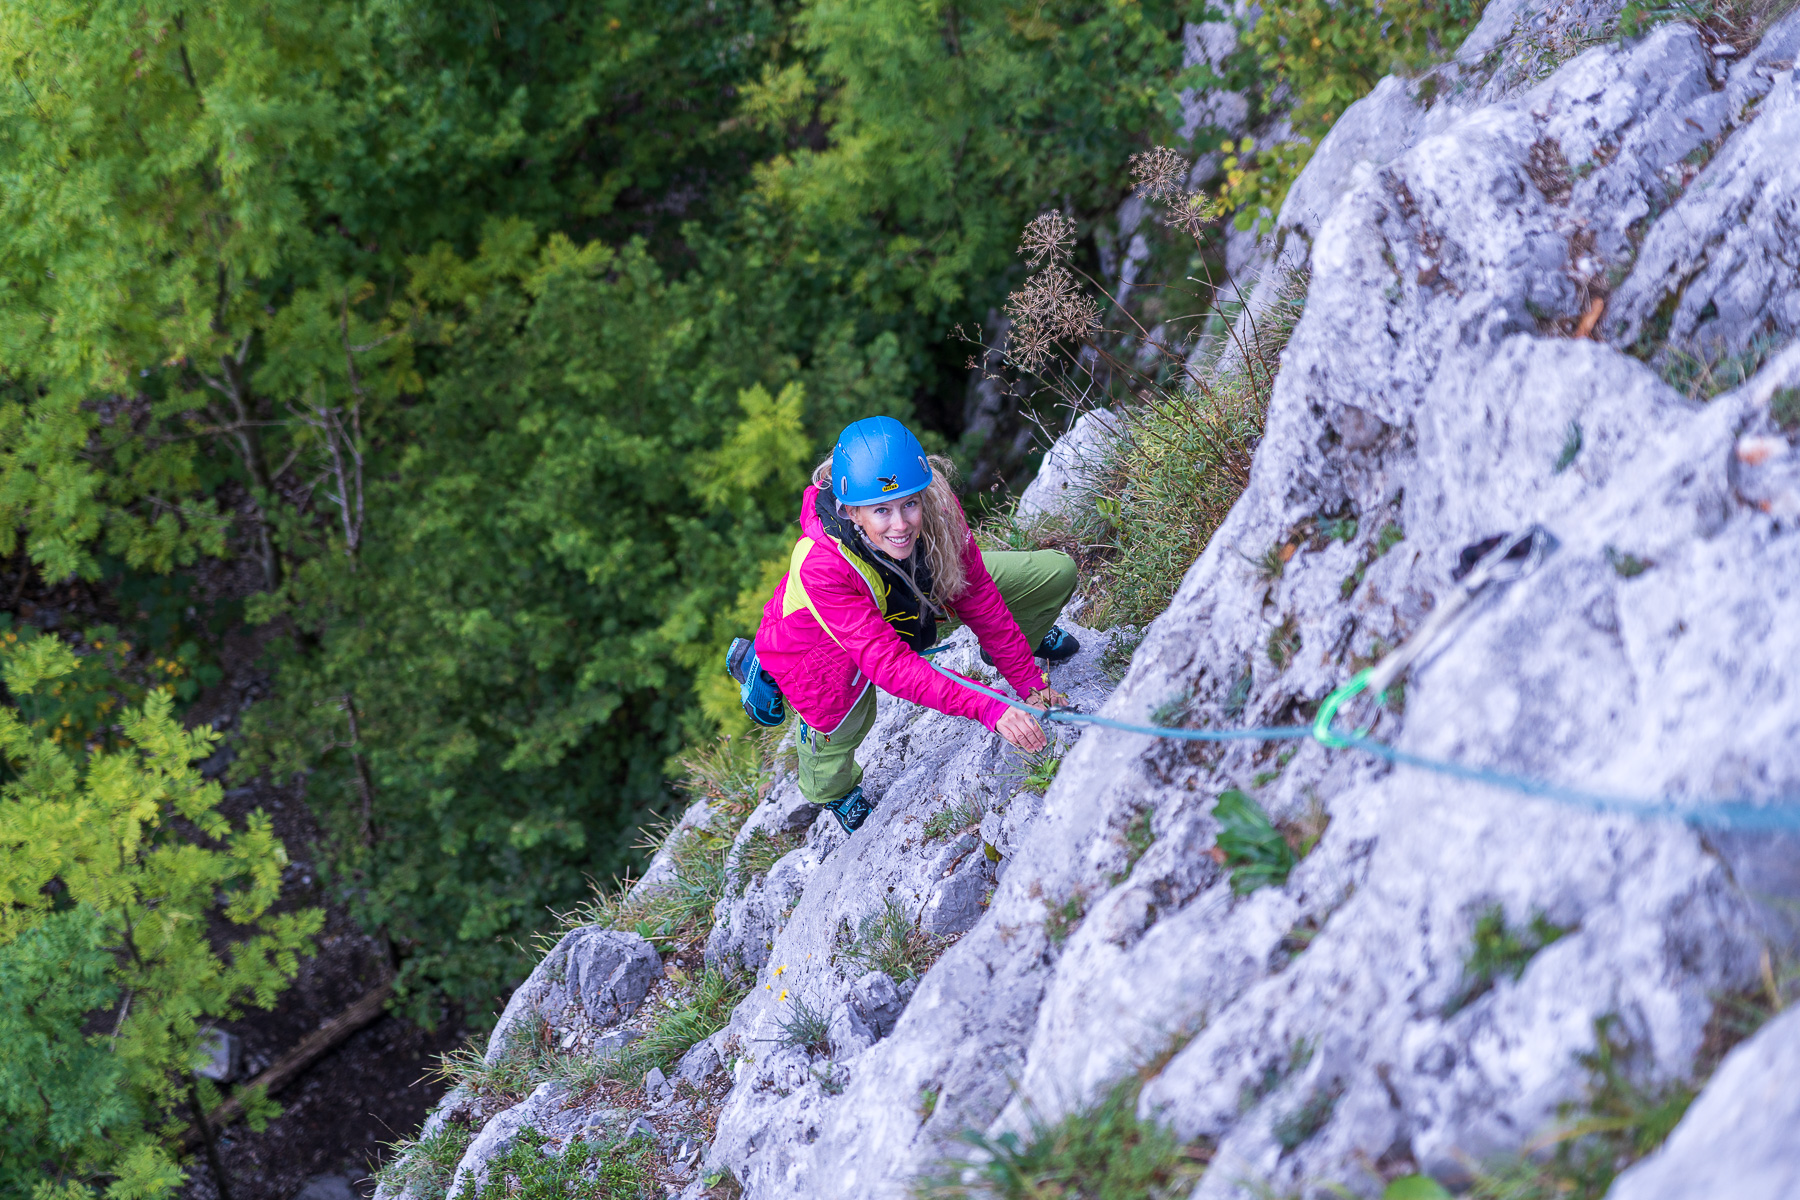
1321	727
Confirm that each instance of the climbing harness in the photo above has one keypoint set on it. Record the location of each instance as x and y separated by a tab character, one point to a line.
1510	559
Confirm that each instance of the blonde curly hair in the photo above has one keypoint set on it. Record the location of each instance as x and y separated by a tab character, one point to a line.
944	534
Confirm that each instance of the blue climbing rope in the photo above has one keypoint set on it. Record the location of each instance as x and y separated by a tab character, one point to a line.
1733	814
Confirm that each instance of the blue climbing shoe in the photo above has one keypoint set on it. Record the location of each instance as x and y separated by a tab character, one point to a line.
1058	645
757	689
852	810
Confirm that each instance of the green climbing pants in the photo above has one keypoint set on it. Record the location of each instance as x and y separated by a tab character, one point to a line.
1035	584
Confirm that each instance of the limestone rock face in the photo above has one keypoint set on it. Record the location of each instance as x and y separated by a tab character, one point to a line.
1327	1030
1738	1139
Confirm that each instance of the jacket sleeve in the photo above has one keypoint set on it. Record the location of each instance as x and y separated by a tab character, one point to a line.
981	608
849	612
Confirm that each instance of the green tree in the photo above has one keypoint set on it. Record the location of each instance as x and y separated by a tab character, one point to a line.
607	458
107	969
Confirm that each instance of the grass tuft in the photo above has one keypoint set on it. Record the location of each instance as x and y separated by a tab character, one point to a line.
1784	409
1102	1152
1115	660
759	853
805	1027
891	942
677	1030
1061	919
955	818
1300	1125
1571	448
423	1168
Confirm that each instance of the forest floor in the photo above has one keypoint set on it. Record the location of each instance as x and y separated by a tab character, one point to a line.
340	1114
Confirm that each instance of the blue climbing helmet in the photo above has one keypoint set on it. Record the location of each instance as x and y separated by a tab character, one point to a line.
877	460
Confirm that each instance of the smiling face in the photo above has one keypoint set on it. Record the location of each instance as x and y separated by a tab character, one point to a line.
893	527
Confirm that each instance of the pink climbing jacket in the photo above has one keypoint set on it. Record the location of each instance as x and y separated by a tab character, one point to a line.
823	669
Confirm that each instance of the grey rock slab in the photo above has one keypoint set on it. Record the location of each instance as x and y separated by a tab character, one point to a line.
602	973
1737	1142
1070	467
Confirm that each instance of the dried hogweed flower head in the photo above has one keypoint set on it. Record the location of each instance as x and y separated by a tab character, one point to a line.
1192	213
1160	174
1050	307
1047	239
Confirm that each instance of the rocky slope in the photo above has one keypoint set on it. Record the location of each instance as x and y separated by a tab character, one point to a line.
1510	261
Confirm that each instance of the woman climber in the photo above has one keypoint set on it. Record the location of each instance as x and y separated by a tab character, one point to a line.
886	555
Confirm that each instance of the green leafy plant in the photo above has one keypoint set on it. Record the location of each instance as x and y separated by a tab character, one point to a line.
891	942
1040	770
1100	1152
1627	565
108	958
1499	951
1571	448
1326	56
1251	846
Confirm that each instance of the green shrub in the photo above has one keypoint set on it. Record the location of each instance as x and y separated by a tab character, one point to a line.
1253	848
1500	951
1102	1152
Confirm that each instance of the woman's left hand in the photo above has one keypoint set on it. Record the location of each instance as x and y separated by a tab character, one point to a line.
1046	697
1022	731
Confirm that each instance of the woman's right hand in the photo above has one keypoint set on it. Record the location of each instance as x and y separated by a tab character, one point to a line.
1022	731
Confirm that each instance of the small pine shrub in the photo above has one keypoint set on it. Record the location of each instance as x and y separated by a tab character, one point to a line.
1499	951
1102	1152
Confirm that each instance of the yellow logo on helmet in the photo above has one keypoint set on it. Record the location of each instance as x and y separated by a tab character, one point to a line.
889	483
